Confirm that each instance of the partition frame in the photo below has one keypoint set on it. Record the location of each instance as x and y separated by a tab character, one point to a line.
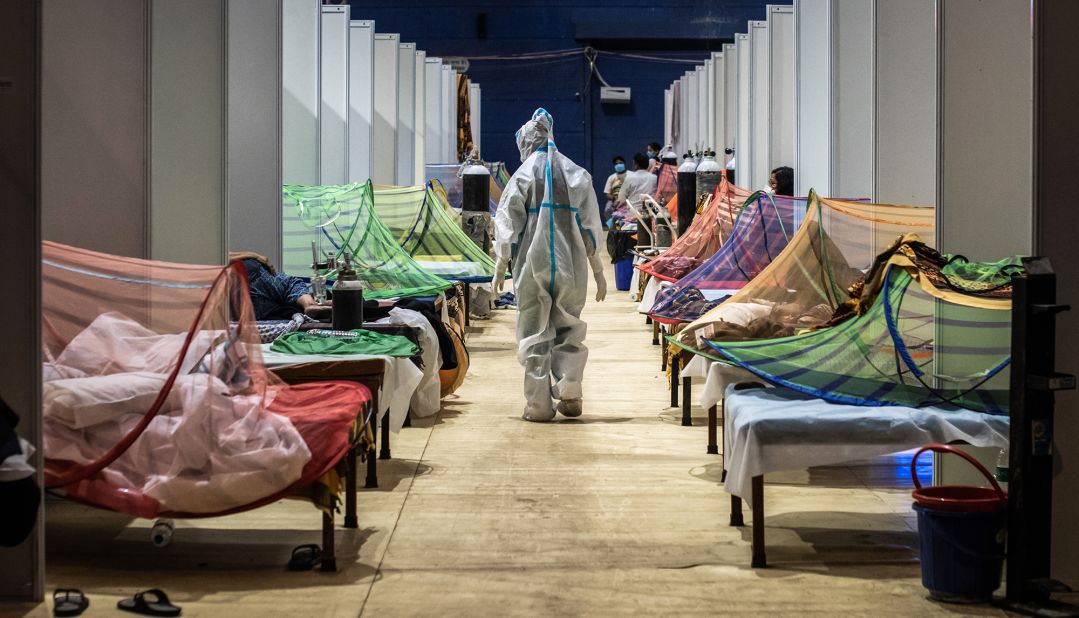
420	103
813	156
433	90
301	141
782	85
333	95
384	129
475	111
718	103
759	101
730	95
449	114
743	150
406	113
693	112
361	99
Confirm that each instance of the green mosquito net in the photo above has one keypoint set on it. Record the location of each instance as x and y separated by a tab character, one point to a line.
924	329
423	223
342	218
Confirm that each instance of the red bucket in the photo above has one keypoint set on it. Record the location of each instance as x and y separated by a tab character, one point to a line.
963	498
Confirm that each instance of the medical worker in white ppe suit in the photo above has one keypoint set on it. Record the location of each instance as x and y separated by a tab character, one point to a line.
548	225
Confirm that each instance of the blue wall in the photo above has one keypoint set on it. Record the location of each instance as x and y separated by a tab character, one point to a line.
587	131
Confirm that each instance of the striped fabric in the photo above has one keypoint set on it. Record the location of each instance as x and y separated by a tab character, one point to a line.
762	230
910	348
340	218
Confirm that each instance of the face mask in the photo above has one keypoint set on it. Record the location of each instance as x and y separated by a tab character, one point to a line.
619	168
651	155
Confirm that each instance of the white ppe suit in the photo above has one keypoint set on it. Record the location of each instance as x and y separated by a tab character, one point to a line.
548	224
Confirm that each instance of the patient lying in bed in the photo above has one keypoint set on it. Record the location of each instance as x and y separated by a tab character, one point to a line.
213	444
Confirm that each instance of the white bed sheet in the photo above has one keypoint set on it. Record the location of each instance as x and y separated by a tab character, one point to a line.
401	380
768	430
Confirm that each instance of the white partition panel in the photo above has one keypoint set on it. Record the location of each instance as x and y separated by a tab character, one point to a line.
813	156
743	149
384	142
420	105
693	111
706	101
684	143
906	114
668	116
406	114
254	127
361	98
433	90
475	111
187	146
702	107
781	86
760	102
717	122
986	128
730	95
301	24
449	115
333	130
852	99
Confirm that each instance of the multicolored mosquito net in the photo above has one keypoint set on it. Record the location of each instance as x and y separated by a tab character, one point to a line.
761	232
801	288
448	175
422	223
156	401
667	183
340	219
709	230
922	329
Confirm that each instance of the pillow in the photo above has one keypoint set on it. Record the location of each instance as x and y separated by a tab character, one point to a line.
83	402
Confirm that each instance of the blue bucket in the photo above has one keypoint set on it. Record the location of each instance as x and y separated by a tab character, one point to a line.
623	273
962	532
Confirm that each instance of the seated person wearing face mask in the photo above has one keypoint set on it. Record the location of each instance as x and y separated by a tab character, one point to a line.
653	156
637	183
614	183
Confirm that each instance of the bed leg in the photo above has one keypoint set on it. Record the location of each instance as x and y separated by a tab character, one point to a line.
372	456
384	452
687	402
468	305
737	520
664	350
674	382
655	332
759	559
713	446
647	319
350	490
329	557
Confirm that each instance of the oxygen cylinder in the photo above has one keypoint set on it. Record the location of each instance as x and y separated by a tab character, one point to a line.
709	174
476	204
476	188
347	299
687	192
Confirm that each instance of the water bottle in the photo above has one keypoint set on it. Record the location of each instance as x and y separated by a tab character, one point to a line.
1001	471
161	532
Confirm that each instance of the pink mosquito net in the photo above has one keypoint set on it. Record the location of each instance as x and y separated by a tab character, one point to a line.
156	400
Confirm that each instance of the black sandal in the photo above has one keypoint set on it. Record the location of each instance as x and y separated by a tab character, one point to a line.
158	605
69	602
305	557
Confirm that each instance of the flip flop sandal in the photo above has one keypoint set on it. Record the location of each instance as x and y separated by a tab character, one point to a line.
69	602
305	557
156	605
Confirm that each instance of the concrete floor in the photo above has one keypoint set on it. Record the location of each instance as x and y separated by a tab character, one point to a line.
481	513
